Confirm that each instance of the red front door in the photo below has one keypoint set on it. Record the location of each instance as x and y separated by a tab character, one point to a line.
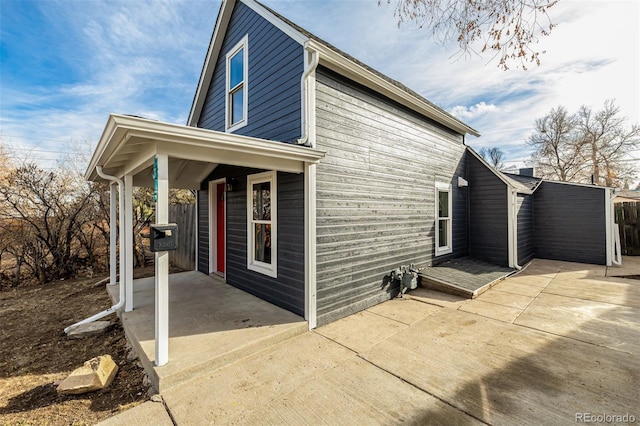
220	228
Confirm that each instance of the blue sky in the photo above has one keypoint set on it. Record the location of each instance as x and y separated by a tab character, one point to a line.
65	65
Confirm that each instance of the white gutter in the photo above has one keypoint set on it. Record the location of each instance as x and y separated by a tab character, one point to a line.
307	82
120	303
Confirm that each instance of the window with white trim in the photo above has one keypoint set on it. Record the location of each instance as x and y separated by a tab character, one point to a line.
262	247
444	239
236	86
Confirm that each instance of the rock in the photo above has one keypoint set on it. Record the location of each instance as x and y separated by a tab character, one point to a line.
95	374
146	381
131	355
156	398
90	329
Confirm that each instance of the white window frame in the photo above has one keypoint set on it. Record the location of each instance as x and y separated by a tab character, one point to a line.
448	247
244	46
270	269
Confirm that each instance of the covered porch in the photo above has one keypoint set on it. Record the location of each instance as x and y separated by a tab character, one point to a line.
212	324
134	151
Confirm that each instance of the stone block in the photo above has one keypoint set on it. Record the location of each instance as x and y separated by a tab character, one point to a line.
95	374
90	329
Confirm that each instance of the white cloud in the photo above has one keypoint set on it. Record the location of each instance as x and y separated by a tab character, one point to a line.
144	58
464	112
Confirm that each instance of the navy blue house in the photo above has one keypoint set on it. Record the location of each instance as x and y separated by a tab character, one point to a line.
317	175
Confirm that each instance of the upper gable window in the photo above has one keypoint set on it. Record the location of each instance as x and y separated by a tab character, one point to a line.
236	87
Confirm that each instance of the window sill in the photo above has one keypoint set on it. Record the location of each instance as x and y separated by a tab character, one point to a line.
264	270
442	252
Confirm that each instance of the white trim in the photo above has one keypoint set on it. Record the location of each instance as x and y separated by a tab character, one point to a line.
310	281
270	269
213	227
443	187
512	246
228	124
124	136
276	22
197	236
162	267
609	224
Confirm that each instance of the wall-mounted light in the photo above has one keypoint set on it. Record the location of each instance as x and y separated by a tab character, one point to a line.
230	184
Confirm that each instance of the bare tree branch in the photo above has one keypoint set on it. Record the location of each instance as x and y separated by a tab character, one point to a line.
586	146
508	28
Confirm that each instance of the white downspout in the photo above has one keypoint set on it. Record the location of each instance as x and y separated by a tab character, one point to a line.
120	303
612	233
312	58
513	232
113	237
308	138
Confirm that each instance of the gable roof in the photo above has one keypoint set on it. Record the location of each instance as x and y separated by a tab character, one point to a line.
330	57
525	184
515	182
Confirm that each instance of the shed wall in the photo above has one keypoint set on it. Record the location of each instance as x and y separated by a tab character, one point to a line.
375	193
570	223
488	230
275	68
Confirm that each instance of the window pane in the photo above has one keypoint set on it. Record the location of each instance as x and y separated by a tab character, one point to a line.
237	106
443	233
236	73
443	204
262	201
263	242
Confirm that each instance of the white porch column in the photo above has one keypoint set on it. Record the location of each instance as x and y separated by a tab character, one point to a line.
128	241
310	245
113	234
162	265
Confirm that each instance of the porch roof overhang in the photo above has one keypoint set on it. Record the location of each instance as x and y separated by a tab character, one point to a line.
129	144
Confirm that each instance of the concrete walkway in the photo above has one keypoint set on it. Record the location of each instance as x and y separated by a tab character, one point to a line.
554	344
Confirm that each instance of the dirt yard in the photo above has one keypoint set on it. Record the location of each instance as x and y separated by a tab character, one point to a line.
35	354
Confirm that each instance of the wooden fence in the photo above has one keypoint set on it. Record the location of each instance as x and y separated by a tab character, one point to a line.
184	216
627	219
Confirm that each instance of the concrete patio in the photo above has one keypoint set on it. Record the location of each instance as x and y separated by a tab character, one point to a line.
556	343
211	324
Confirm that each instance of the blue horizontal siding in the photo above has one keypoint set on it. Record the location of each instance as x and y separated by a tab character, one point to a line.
287	290
275	68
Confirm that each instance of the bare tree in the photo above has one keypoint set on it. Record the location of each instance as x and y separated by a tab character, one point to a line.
47	216
508	28
607	141
494	156
557	146
585	147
